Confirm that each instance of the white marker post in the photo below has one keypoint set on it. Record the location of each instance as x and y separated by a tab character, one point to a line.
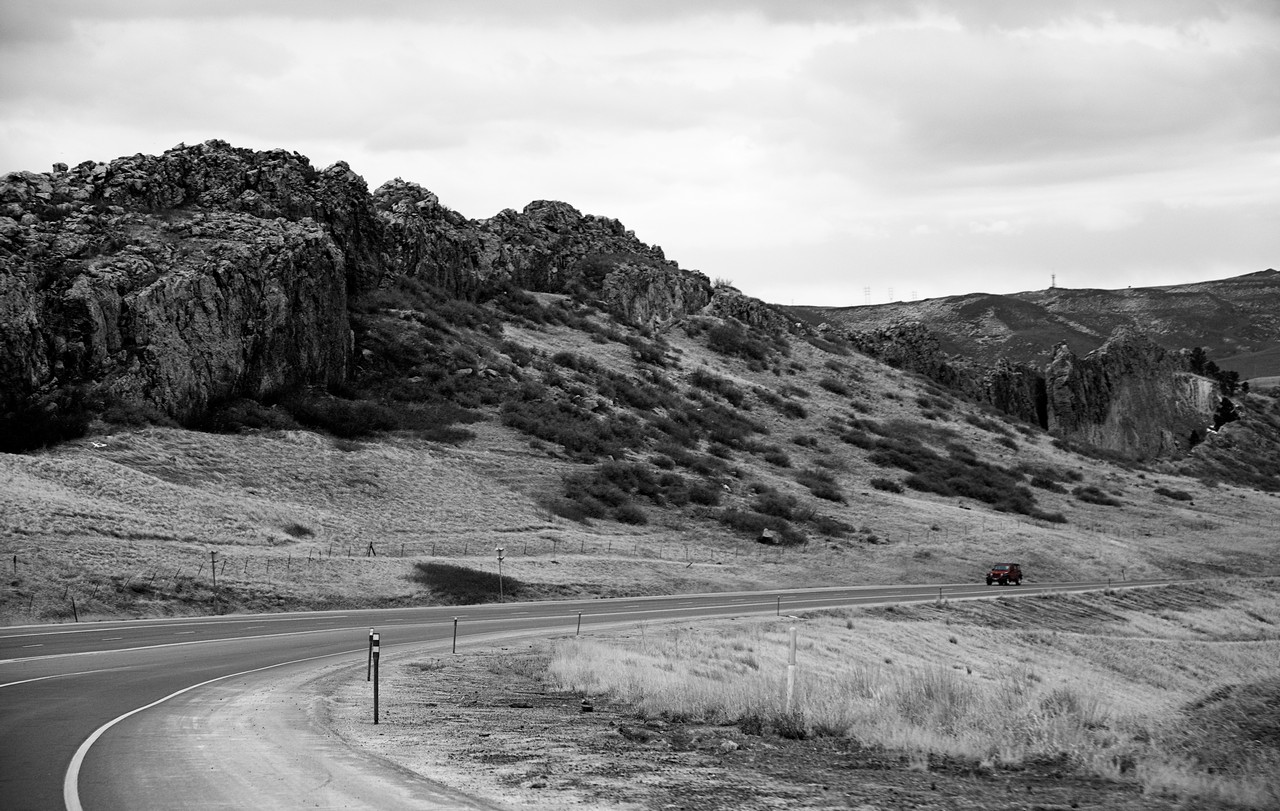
374	652
368	671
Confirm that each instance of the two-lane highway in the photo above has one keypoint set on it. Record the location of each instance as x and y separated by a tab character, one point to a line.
61	685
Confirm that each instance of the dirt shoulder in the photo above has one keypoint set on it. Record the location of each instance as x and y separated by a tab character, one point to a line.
484	723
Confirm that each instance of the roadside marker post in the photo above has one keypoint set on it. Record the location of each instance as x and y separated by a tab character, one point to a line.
455	634
579	631
368	671
374	652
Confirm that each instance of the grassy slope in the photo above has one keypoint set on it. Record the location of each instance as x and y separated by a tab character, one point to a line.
124	522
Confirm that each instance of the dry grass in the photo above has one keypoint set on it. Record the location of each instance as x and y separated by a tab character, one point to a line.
1095	681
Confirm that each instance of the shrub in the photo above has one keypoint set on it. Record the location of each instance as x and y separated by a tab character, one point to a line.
821	483
630	514
1176	495
538	412
834	386
1093	495
715	384
734	340
771	502
1047	484
777	457
805	441
794	410
753	524
349	419
887	485
706	494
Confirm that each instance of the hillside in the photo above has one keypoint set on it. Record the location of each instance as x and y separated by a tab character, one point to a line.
219	358
1236	320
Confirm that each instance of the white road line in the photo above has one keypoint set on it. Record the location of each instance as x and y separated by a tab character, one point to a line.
37	645
71	782
111	639
54	676
182	633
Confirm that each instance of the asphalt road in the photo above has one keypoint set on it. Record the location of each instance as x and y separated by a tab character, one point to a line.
83	706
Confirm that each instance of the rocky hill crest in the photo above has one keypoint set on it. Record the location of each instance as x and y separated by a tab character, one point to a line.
175	281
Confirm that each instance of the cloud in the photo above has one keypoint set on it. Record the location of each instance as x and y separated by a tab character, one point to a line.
923	139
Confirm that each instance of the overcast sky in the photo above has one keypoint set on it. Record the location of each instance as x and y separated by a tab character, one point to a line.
807	151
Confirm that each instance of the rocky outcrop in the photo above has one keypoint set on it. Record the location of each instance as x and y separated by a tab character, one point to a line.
210	272
177	280
1129	396
644	293
728	302
1013	388
549	246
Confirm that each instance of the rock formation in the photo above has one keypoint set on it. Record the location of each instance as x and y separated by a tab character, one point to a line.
1013	388
1129	396
209	272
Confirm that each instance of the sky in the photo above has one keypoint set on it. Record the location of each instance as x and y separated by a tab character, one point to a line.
822	152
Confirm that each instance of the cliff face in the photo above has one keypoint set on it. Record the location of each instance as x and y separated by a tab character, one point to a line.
1129	396
1013	388
179	279
211	272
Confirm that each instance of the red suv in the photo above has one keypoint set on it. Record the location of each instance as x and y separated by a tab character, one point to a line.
1004	574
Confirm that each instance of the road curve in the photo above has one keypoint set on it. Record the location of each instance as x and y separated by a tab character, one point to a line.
78	701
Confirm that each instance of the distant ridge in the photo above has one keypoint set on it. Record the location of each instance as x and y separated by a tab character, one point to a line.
1236	320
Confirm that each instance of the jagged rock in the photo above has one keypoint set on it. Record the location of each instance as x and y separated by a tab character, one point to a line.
647	293
176	280
728	302
1013	388
211	272
1130	396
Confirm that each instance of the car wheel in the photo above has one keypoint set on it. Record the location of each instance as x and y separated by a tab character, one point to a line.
988	581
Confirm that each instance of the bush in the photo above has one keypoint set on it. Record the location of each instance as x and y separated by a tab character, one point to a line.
348	419
821	483
630	514
771	502
1176	495
715	384
777	457
834	386
734	340
1093	495
753	524
38	423
794	410
887	485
